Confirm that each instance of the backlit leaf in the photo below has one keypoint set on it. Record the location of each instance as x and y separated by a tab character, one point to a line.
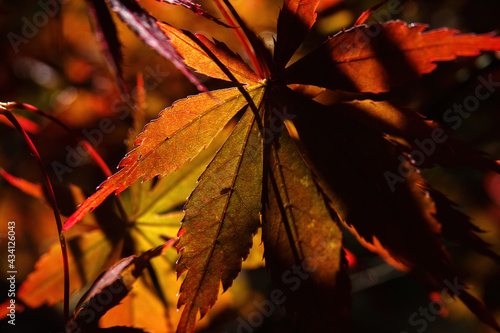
45	284
197	59
146	28
377	57
177	136
225	208
302	241
294	23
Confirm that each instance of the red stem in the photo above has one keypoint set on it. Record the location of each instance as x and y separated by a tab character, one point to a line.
53	203
78	138
243	39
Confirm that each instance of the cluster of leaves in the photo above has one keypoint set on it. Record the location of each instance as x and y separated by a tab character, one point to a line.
294	167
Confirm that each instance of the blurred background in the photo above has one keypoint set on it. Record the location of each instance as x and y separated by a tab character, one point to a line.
53	62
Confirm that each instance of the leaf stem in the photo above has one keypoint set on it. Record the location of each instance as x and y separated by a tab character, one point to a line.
78	138
53	203
242	37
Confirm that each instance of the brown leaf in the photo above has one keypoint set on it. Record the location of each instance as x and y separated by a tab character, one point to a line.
224	208
352	168
302	242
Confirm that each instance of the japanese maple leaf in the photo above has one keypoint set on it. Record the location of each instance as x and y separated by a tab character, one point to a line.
298	168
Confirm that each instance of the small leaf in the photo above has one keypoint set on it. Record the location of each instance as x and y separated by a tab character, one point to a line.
146	236
294	23
366	14
377	57
141	308
111	287
227	219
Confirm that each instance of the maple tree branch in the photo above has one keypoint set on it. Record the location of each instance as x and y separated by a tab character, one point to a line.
53	203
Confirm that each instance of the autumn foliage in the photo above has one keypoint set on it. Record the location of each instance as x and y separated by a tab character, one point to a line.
267	154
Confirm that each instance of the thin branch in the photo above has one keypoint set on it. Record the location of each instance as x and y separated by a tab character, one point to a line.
53	203
78	138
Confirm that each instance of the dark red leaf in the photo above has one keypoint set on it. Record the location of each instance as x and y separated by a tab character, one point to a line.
352	169
294	23
424	140
366	14
111	287
457	227
107	36
146	28
377	57
195	8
